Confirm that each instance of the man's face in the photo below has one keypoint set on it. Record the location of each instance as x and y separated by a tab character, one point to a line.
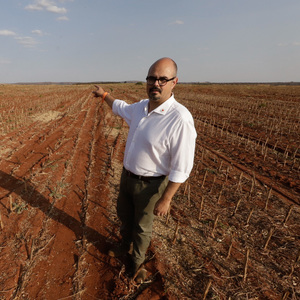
160	93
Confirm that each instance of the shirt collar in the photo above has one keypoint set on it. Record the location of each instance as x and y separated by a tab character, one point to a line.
164	107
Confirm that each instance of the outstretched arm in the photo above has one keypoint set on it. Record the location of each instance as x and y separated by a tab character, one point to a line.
100	93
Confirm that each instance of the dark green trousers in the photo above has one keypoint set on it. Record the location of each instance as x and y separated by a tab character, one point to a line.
135	207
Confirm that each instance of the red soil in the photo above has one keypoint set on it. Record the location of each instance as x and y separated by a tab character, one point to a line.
58	186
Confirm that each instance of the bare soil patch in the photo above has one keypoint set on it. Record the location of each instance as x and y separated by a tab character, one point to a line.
234	227
47	116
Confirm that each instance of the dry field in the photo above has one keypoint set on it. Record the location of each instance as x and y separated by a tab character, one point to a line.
233	231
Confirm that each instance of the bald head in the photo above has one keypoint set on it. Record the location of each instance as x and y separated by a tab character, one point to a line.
164	69
166	64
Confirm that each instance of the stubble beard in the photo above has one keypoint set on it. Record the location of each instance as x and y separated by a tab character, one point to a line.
155	97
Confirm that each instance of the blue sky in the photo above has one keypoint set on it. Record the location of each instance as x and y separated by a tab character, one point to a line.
115	40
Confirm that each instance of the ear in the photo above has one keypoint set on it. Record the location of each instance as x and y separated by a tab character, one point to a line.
175	81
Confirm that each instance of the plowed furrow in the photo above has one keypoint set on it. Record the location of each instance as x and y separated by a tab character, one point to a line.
65	210
266	181
95	260
46	206
250	137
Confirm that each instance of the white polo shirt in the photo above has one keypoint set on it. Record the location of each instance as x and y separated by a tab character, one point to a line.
161	142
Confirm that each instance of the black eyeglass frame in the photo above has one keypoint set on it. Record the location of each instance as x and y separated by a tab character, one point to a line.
161	80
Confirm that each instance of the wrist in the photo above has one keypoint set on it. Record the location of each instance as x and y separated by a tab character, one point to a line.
166	199
104	96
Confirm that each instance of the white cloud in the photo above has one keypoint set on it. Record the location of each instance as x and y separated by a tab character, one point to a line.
26	41
7	33
62	18
56	10
33	7
47	5
177	22
37	32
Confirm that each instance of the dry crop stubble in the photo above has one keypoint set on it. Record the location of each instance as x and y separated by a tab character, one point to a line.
233	229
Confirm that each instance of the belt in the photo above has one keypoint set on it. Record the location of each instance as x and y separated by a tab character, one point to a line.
143	178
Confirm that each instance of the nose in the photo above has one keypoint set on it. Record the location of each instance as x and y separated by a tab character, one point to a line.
156	82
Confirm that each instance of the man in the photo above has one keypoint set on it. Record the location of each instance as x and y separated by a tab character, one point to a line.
158	157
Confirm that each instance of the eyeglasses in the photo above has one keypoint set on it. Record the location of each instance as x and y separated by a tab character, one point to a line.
161	80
